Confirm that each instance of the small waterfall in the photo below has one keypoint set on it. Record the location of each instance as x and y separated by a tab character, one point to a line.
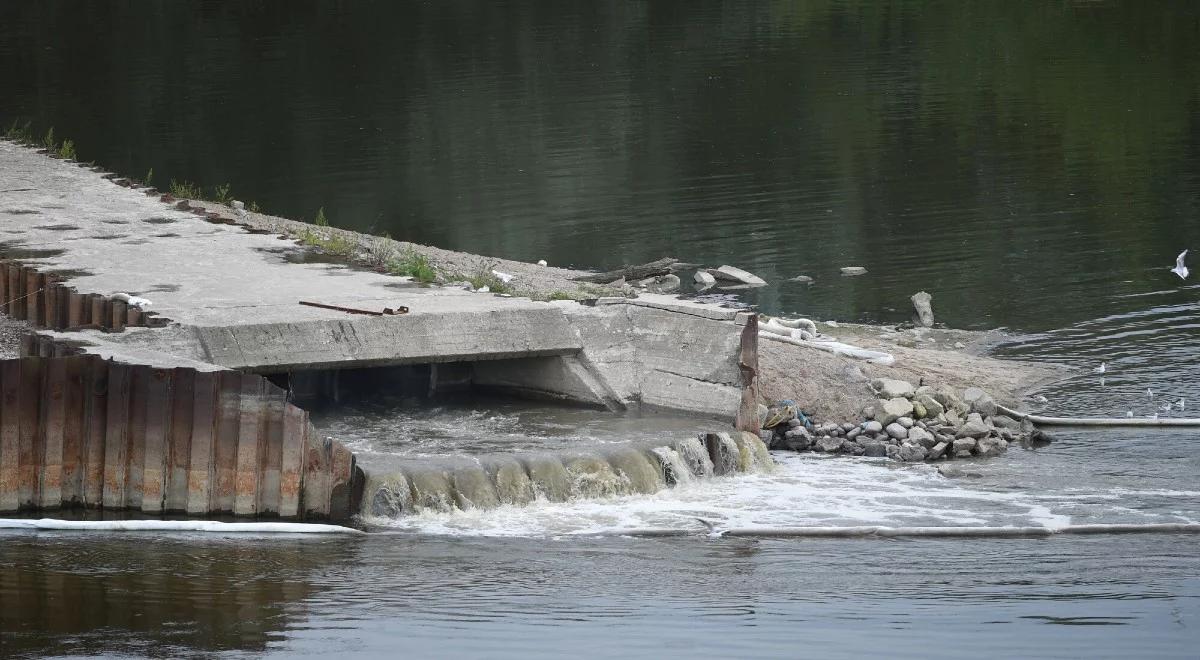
513	485
592	476
675	469
696	457
641	473
473	488
413	485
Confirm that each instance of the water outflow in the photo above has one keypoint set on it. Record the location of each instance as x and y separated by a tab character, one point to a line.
415	485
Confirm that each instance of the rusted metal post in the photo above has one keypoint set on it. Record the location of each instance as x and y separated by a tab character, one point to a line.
118	315
75	409
226	441
183	394
251	433
204	425
52	423
139	389
116	437
295	446
271	461
10	433
747	415
34	282
155	449
95	393
75	309
30	416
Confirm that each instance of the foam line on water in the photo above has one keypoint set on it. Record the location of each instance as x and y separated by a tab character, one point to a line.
804	491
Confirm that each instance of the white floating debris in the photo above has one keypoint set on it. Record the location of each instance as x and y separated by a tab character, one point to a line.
851	271
735	274
174	526
803	279
833	324
483	289
132	300
542	262
503	277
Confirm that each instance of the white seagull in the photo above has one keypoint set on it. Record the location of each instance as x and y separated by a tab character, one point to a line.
1100	369
1180	269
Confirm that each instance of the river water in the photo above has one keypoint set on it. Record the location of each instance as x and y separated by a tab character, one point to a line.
1035	166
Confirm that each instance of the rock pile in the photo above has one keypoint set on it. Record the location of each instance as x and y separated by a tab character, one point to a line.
906	424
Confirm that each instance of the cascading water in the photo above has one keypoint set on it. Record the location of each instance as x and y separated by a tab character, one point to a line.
441	484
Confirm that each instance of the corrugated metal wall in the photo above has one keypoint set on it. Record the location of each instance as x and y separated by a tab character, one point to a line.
80	431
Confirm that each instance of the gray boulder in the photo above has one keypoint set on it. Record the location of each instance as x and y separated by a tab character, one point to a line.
665	284
896	431
891	388
922	309
906	422
893	452
911	453
873	426
875	449
964	446
991	447
704	280
831	445
921	437
889	411
979	401
937	451
932	407
1005	422
974	428
853	433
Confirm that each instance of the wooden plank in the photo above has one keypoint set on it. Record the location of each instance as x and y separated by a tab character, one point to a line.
139	394
15	306
179	443
30	416
34	282
75	407
52	423
226	441
251	435
206	400
341	477
271	461
76	310
316	475
158	422
95	393
10	432
117	315
291	473
116	436
99	313
50	294
133	317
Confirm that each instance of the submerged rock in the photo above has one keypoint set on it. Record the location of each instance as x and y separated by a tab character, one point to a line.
922	309
704	280
851	271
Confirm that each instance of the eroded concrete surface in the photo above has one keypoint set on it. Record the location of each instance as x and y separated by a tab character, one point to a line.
233	297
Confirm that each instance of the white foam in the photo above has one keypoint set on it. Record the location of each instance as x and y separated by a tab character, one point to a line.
805	490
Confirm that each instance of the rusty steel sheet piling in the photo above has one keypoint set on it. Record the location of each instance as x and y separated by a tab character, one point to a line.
83	432
48	303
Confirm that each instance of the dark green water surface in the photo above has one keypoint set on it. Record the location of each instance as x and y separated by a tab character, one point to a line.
1033	165
1021	161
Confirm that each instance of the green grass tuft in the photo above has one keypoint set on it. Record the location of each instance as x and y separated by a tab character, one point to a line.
222	194
321	220
67	150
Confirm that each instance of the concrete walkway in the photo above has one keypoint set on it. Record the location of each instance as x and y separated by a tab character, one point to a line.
233	298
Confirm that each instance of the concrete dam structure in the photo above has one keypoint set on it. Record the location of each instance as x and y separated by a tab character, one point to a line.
199	324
